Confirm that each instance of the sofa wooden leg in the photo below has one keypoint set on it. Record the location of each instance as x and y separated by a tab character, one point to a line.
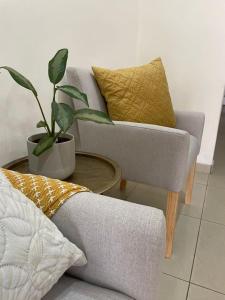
123	184
171	212
189	187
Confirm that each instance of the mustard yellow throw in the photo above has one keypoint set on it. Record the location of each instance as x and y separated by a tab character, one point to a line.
48	194
138	94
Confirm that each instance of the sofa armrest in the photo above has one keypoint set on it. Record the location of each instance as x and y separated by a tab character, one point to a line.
146	153
123	242
192	122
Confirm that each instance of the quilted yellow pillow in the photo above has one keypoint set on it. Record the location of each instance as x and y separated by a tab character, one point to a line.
138	94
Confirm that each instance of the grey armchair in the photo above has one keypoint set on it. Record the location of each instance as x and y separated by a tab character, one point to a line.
124	245
155	155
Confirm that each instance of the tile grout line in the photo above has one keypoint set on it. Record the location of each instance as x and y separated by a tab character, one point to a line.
196	284
201	183
204	220
196	218
196	246
181	279
206	288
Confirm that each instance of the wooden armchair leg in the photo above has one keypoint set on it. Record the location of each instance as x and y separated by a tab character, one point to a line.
189	186
171	212
123	184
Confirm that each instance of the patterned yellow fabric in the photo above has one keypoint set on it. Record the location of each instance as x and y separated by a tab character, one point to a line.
138	94
48	194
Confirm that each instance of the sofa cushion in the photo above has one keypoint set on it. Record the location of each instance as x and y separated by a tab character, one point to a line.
33	252
138	94
69	288
106	228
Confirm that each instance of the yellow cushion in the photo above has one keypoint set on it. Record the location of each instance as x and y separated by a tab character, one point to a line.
138	94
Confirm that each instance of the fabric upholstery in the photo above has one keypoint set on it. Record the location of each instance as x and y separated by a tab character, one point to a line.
192	122
147	153
123	242
137	94
193	152
33	252
85	81
69	288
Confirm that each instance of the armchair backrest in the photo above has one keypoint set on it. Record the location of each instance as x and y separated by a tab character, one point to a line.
85	81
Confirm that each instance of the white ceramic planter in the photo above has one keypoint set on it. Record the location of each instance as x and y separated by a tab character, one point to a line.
57	162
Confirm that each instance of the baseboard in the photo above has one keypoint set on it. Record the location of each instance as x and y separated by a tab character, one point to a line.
204	168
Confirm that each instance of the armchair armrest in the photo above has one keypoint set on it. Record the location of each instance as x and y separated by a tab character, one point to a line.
146	153
192	122
123	242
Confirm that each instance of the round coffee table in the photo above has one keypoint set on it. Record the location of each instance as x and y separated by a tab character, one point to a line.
94	171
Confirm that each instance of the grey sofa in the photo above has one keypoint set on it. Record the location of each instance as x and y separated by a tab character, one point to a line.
124	245
155	155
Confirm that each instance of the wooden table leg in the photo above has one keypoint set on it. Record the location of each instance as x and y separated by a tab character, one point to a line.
123	184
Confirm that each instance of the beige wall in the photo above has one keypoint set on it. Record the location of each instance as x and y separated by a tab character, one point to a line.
95	32
189	36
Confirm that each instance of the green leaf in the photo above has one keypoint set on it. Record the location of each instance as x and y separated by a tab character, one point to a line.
41	124
20	79
92	115
57	66
73	92
63	114
44	144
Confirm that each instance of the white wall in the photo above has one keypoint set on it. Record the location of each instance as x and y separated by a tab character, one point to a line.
95	32
189	36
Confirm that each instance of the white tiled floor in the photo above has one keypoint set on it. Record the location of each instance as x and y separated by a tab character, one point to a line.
180	264
196	270
177	288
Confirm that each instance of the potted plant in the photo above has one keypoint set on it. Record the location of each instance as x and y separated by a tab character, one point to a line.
52	153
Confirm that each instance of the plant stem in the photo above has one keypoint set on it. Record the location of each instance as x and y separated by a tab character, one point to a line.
53	118
58	134
43	115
